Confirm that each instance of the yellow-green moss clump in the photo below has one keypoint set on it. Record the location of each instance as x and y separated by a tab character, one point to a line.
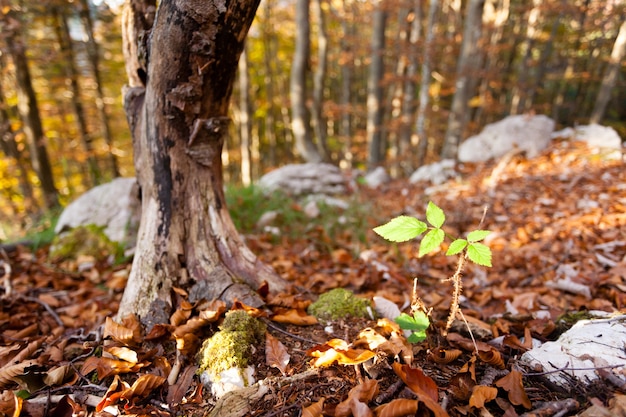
340	303
232	346
87	240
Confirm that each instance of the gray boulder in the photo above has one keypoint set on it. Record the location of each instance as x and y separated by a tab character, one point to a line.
304	179
595	135
527	133
114	205
437	173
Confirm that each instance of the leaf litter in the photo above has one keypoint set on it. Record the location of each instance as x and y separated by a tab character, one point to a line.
559	251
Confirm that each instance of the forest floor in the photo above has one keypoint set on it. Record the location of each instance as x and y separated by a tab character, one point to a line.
62	355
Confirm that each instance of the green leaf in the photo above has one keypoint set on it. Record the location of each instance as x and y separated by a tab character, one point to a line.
431	241
477	235
407	322
435	215
401	229
456	247
421	318
479	254
417	337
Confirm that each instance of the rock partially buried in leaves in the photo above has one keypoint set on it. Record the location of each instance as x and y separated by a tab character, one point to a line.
340	303
303	179
115	206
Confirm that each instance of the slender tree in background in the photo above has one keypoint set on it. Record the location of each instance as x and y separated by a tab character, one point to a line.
346	62
424	96
300	117
459	112
10	149
179	121
319	79
610	75
244	120
375	91
93	52
27	103
67	51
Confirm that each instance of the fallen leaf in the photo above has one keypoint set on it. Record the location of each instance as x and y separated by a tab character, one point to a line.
337	350
358	397
276	354
481	395
314	410
422	385
294	316
512	383
398	408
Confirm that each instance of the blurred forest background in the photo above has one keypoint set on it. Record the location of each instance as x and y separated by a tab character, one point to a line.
360	84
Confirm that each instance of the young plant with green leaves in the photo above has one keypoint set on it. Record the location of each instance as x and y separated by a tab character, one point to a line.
404	228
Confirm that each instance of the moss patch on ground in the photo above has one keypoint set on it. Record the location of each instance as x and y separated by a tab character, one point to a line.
340	303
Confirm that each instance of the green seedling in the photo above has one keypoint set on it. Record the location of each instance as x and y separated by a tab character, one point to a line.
404	228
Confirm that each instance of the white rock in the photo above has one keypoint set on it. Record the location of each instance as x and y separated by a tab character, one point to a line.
229	380
311	210
588	345
115	205
529	133
598	136
301	179
376	178
437	173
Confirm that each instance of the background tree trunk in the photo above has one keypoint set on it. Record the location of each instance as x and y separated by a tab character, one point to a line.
319	79
459	113
244	120
93	52
610	75
300	118
28	108
67	50
179	123
375	91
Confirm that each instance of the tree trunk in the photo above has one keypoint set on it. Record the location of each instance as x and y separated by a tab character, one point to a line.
300	118
347	65
179	123
610	75
27	106
244	120
319	78
375	90
424	96
459	113
67	52
94	60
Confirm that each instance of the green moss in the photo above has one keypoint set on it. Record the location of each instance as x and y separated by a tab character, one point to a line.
231	346
87	240
339	303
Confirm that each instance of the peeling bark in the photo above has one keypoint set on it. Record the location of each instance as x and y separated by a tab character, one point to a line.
179	125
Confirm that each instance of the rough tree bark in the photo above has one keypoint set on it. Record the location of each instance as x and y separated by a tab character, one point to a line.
179	122
375	90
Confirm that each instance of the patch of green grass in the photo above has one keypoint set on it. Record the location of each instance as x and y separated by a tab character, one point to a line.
39	231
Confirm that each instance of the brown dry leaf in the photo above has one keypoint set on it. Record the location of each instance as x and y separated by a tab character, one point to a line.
482	394
9	374
105	367
513	384
121	353
398	408
444	356
294	316
276	354
339	351
143	387
121	333
461	386
314	410
62	375
212	311
358	397
113	393
181	314
492	357
423	386
252	311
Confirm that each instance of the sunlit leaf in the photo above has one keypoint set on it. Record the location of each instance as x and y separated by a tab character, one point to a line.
294	316
337	350
477	235
481	395
479	254
422	385
314	410
419	321
398	408
456	247
431	241
435	215
358	397
401	229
